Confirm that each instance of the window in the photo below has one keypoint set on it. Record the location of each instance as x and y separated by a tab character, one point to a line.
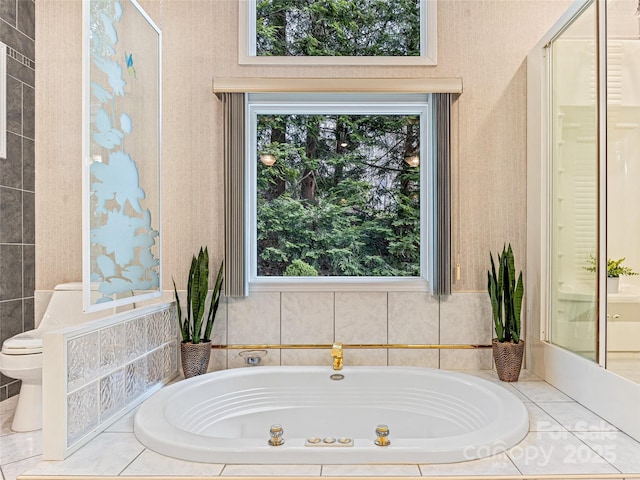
338	188
338	32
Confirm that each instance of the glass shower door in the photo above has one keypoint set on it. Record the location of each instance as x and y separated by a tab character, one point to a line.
574	180
623	194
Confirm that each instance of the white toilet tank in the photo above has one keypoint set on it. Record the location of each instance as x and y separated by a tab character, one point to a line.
65	307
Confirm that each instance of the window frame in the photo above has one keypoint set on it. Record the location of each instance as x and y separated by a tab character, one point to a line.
247	43
320	103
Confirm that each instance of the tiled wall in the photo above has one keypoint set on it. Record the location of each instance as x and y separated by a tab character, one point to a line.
356	317
17	217
96	373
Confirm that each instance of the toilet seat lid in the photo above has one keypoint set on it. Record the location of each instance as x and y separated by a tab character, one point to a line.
26	342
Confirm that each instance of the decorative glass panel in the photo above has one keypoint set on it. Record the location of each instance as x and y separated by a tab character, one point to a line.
112	347
83	413
83	360
135	340
135	379
111	394
122	153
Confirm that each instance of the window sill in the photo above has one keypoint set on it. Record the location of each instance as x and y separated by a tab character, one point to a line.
311	284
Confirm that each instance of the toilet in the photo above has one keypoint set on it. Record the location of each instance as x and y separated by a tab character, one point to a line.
21	355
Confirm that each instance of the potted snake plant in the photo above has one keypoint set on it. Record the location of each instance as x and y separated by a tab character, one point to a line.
506	304
195	327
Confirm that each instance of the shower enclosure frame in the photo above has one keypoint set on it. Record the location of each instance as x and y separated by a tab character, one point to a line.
566	370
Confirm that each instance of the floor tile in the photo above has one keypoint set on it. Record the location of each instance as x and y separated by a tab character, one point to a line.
512	389
527	376
18	446
541	421
373	470
622	451
496	465
152	463
576	418
124	424
12	470
541	392
272	470
122	449
542	453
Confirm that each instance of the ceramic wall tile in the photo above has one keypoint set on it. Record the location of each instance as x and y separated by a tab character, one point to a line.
235	360
307	317
219	331
466	318
361	317
413	318
414	358
466	359
365	357
311	357
218	360
254	319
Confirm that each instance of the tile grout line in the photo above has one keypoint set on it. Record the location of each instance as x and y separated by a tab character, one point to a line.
133	460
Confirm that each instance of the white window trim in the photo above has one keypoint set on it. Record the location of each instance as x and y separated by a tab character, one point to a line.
247	43
399	104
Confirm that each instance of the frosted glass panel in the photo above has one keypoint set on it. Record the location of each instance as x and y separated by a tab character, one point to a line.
574	229
122	153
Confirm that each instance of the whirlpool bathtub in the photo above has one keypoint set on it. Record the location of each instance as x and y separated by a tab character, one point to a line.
433	416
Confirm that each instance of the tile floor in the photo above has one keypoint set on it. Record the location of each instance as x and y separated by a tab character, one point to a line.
564	439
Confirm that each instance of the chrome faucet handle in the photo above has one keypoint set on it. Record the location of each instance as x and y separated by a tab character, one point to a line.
253	357
275	432
382	432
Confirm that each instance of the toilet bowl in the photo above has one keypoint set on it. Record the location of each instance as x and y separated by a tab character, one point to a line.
21	355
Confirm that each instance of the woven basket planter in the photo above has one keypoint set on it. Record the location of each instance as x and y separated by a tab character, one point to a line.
508	359
195	358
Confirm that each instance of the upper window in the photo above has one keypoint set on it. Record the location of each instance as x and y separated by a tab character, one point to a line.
338	31
338	187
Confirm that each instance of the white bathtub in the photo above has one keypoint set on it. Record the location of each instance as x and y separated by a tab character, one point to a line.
434	416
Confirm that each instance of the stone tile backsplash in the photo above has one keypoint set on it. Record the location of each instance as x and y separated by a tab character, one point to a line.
357	318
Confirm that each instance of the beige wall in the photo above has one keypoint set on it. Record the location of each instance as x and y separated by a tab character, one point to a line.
483	41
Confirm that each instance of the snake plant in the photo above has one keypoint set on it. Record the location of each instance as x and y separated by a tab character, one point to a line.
191	325
506	296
